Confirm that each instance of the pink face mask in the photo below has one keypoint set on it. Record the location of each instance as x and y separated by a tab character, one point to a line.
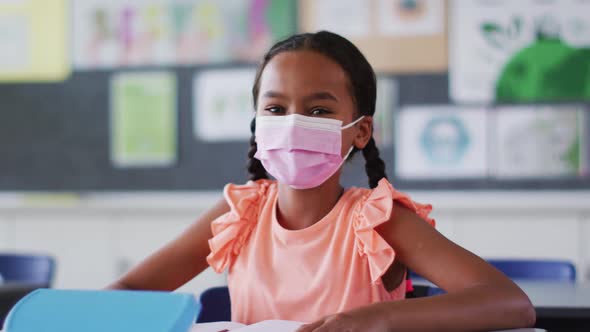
298	150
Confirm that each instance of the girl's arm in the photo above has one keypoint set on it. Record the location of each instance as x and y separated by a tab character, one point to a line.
177	262
479	297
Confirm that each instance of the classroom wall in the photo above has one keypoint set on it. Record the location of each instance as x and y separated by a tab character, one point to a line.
97	238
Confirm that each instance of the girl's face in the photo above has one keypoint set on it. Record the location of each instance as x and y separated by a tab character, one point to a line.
310	84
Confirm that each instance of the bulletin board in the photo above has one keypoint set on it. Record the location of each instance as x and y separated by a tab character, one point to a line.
58	136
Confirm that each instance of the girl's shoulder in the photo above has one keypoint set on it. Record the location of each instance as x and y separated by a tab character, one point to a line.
231	230
251	191
375	205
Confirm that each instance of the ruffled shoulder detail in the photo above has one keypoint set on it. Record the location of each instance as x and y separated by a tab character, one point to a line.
375	210
232	230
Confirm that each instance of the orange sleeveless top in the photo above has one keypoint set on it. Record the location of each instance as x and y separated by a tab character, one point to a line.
332	266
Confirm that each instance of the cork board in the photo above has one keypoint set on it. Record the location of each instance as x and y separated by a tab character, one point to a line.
387	53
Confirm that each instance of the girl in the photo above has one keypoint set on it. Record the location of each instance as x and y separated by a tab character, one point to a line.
304	248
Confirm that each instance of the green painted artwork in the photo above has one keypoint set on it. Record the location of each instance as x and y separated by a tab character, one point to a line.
547	70
143	119
519	51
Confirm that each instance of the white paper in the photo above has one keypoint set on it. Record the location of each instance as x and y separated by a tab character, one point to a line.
14	43
215	326
441	142
350	18
411	18
538	141
478	58
387	90
264	326
223	106
272	326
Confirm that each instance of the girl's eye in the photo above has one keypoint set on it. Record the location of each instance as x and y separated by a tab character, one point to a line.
274	109
319	111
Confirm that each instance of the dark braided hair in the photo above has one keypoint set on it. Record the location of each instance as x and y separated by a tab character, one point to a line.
361	83
255	167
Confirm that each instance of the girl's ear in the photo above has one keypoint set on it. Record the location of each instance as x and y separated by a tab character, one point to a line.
364	132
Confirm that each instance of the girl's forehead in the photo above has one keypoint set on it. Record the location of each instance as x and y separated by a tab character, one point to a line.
307	69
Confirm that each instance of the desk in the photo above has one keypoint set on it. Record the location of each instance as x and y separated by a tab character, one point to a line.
515	330
551	299
559	306
558	300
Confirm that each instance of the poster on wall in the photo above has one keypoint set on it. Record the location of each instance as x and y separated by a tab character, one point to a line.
396	36
538	141
33	43
222	106
518	51
143	119
410	18
112	33
350	18
441	142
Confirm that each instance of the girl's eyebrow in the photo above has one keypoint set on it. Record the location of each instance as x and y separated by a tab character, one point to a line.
323	95
274	94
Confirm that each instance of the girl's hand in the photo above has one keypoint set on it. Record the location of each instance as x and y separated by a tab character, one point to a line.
371	318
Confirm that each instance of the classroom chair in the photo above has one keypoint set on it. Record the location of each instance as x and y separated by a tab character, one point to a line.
530	269
422	290
521	269
215	305
29	269
538	270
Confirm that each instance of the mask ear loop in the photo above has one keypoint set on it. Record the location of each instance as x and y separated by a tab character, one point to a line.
347	154
346	127
352	123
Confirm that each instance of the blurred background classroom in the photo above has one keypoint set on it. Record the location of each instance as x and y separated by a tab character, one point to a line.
120	121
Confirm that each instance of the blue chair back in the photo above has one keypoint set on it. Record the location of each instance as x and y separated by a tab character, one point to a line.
520	269
541	270
215	305
30	269
423	290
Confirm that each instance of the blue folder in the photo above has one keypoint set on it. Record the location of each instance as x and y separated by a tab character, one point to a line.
50	310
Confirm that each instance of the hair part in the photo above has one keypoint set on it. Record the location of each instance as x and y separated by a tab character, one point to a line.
361	81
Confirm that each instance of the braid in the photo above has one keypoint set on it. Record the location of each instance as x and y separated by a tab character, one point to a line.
255	167
374	166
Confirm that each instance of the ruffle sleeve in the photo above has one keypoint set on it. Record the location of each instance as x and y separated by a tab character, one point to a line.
374	211
231	230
